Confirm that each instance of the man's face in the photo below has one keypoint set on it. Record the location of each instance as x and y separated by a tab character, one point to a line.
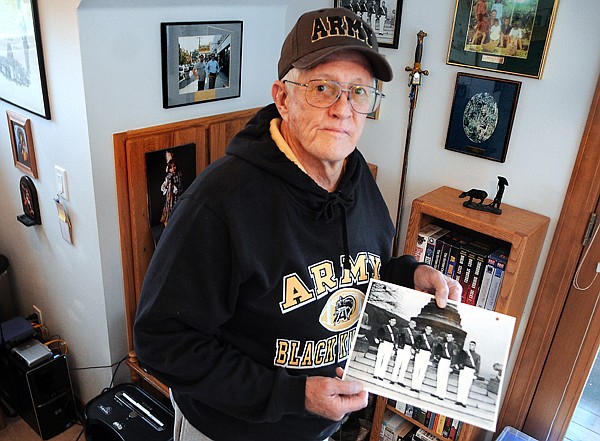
325	135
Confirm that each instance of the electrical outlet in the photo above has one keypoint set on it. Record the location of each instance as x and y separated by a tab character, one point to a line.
38	311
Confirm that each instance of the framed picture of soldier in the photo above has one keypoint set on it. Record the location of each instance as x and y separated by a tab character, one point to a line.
382	15
510	36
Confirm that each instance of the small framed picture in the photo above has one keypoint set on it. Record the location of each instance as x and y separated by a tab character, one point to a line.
201	62
510	36
383	17
22	143
482	116
29	201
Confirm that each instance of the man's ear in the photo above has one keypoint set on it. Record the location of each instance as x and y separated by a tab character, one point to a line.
280	98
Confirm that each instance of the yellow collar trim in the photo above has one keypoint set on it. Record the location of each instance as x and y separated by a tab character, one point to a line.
274	128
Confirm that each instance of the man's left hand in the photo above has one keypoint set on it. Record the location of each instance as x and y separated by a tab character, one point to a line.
433	281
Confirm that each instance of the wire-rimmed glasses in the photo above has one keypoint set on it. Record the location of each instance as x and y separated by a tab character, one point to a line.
324	93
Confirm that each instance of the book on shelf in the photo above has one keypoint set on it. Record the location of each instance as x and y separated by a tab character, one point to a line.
422	238
457	241
439	427
497	257
492	297
464	257
431	245
447	426
440	245
400	406
428	418
477	254
455	429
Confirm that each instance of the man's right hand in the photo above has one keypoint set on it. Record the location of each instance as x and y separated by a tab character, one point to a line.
332	398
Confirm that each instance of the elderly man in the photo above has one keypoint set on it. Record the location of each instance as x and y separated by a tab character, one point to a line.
238	314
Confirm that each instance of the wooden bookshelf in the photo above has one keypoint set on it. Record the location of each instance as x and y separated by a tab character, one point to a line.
523	230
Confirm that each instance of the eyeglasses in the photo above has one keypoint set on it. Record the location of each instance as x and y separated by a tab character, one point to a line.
324	93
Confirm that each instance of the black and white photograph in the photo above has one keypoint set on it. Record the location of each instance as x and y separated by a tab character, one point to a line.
383	16
447	360
22	73
201	61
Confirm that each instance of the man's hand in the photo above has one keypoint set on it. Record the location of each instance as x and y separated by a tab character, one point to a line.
432	281
332	398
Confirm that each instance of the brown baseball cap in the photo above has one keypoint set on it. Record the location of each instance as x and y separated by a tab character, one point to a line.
318	34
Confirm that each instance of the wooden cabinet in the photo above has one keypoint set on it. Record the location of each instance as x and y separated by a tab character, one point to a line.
209	136
523	230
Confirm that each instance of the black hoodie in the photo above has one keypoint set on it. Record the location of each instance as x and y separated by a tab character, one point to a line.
256	283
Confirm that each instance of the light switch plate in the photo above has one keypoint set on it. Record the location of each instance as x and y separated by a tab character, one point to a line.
61	182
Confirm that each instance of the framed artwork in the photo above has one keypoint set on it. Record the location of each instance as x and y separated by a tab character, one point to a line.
22	143
482	116
169	173
201	61
29	200
22	74
383	17
510	36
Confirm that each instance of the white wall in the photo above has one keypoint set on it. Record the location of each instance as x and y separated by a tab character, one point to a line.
104	75
64	281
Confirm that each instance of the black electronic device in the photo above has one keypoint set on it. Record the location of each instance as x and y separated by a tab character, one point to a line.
127	413
42	395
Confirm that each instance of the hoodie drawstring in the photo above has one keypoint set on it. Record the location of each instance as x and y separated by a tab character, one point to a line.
328	213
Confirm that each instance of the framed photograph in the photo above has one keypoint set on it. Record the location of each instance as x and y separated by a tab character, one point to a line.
201	61
383	17
446	360
22	143
22	74
482	116
510	36
169	173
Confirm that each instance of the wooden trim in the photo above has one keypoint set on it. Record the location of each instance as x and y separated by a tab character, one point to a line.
580	200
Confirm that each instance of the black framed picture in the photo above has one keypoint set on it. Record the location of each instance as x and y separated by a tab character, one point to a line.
383	16
22	73
482	116
201	61
510	36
